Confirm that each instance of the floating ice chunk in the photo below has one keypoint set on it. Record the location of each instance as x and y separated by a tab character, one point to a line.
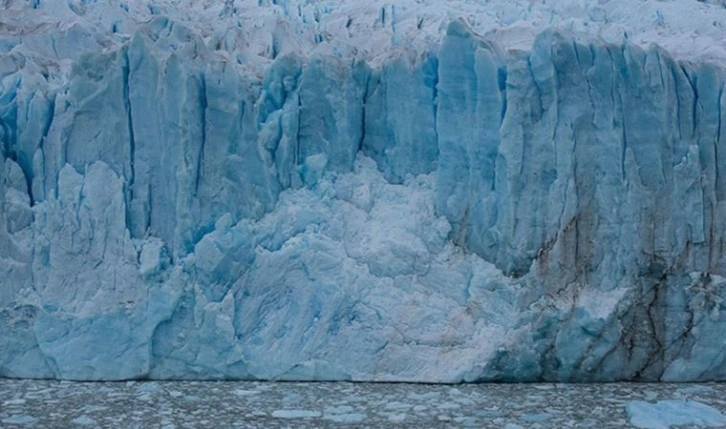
295	414
346	418
19	420
84	421
673	412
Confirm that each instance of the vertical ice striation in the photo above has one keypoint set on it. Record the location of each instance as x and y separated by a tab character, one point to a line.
400	117
182	202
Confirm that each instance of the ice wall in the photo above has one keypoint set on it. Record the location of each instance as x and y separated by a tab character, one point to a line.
463	212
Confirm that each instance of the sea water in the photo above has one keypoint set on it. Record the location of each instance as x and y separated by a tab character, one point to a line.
189	404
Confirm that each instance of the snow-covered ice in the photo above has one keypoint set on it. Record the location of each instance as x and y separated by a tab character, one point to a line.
345	190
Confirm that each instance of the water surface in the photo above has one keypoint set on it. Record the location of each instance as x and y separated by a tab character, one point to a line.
53	404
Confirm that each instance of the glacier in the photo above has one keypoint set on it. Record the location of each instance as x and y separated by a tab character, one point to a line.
422	191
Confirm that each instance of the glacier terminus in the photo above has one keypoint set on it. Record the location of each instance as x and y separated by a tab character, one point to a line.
417	191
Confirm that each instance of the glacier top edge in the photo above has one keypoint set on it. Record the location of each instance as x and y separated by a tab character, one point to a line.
254	32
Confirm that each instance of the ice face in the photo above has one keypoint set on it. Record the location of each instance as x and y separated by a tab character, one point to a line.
296	202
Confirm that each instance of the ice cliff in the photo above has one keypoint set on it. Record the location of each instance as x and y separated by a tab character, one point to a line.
420	191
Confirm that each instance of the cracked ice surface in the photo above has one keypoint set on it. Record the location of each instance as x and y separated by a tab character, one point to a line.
356	191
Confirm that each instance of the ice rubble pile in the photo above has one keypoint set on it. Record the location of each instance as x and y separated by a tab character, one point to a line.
423	191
